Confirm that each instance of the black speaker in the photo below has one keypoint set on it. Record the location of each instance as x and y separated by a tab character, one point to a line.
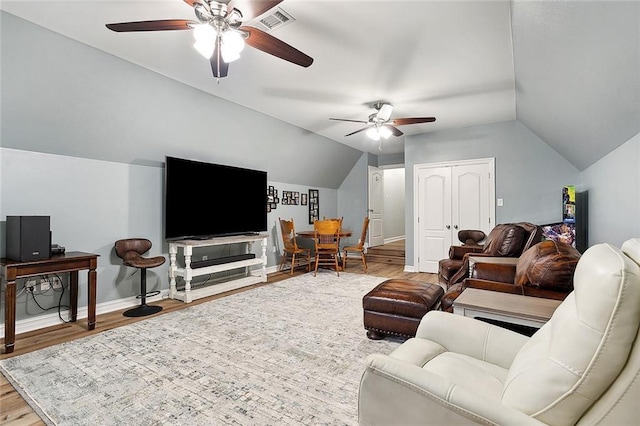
28	238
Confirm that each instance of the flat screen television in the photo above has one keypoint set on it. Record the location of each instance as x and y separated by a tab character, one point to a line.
205	200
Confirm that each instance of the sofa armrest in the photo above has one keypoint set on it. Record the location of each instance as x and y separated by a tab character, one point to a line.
472	337
396	392
494	271
458	252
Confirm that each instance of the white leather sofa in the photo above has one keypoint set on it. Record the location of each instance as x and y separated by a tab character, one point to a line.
581	368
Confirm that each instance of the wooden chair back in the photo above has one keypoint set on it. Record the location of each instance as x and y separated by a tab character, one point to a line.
363	234
327	235
288	235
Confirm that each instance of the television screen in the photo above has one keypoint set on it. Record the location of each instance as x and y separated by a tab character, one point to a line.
204	200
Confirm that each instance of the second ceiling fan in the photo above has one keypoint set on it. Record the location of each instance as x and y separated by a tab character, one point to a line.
381	126
219	32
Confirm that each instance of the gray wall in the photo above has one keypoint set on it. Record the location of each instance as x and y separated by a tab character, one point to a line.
613	186
63	97
394	203
529	174
352	200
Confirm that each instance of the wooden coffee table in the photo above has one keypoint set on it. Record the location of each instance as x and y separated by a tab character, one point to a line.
505	307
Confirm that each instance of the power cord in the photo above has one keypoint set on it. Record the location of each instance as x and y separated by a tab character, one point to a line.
60	306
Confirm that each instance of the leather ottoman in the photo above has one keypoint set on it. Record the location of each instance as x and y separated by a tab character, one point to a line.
396	306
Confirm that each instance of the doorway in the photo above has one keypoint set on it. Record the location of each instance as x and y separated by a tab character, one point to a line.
386	199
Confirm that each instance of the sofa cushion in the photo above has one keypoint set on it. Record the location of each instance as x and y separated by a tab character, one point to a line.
552	381
505	239
548	265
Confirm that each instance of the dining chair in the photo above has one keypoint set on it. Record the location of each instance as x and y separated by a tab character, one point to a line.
338	219
327	244
290	248
359	248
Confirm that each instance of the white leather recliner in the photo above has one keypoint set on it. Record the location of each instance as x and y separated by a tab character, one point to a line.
581	368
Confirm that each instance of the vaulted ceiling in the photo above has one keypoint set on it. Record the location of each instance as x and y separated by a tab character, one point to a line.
568	70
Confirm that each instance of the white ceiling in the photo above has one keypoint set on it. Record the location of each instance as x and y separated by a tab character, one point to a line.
452	60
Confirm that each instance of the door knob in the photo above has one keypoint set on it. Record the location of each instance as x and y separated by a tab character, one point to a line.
448	226
455	226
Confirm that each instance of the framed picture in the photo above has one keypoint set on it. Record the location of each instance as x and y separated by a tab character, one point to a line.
272	198
314	205
290	198
303	199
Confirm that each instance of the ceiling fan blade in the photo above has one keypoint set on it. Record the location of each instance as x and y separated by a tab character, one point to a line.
357	131
160	25
394	130
219	67
251	9
351	121
276	47
414	120
385	112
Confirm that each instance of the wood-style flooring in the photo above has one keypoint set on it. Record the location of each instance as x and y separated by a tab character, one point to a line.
15	411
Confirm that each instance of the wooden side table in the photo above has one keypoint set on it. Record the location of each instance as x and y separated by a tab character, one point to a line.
506	307
72	262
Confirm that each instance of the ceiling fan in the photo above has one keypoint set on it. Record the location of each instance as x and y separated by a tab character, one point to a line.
381	126
219	33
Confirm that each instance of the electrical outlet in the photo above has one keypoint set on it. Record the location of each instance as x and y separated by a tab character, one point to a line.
57	283
31	283
45	285
274	249
205	257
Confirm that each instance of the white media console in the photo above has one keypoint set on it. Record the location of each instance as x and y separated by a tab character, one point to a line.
188	272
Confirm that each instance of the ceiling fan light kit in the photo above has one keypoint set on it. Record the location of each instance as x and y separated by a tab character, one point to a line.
219	34
381	126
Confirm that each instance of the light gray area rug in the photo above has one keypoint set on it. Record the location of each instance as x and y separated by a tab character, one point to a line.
291	352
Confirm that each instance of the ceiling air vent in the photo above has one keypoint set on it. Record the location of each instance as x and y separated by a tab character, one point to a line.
276	18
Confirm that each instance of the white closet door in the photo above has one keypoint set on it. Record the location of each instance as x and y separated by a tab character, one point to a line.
450	197
434	216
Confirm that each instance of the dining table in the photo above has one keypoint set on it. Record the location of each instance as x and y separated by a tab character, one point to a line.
344	233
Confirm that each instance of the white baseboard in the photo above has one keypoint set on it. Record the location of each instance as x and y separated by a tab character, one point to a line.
393	239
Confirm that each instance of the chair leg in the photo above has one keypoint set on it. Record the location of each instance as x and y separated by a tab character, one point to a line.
335	259
293	262
282	261
364	261
344	261
315	271
143	309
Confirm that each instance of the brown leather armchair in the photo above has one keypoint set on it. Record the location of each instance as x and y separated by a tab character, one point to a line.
507	239
544	270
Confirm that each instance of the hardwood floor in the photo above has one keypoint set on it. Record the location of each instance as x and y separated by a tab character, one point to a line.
16	412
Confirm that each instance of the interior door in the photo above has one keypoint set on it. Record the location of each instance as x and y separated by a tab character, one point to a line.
470	195
434	216
376	206
448	198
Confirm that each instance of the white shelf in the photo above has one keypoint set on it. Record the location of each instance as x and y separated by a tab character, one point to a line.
187	272
213	289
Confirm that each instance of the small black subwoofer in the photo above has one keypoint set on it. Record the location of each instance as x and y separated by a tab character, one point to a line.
28	238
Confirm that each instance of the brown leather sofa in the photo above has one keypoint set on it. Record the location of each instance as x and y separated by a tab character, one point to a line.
544	270
508	239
